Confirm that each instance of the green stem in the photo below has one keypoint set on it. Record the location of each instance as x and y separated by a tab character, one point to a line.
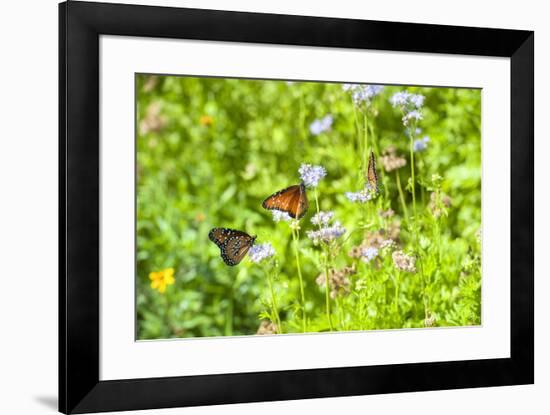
374	142
327	270
316	202
296	237
396	298
302	119
274	302
422	191
229	316
411	150
341	316
359	142
401	195
381	172
327	293
365	144
425	287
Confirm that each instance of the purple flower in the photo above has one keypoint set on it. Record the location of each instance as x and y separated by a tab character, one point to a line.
400	99
373	90
412	115
407	101
362	197
369	253
322	218
410	104
321	125
348	87
421	144
362	93
327	234
417	132
311	175
417	100
258	253
280	216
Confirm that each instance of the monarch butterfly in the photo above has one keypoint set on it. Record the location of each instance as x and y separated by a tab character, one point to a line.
372	177
233	244
292	200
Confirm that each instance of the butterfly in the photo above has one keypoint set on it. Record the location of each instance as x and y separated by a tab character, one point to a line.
233	244
372	177
292	200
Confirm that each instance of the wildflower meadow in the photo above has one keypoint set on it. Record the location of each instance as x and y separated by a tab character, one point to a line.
275	207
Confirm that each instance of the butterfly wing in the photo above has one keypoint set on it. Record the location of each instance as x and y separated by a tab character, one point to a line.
233	244
372	177
302	203
219	235
292	200
236	248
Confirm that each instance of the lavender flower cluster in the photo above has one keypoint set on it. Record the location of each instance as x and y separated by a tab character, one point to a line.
410	104
311	175
362	196
362	93
421	144
259	252
368	254
322	218
326	233
322	125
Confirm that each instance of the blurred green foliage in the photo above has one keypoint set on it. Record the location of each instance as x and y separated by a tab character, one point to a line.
209	151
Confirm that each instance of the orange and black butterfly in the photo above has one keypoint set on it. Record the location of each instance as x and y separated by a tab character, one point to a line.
372	177
292	200
233	244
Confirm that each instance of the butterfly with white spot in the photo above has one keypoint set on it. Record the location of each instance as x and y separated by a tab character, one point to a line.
233	244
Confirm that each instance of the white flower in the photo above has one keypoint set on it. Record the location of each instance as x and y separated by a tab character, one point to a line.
404	262
280	216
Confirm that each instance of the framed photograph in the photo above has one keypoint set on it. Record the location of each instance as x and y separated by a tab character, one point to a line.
259	207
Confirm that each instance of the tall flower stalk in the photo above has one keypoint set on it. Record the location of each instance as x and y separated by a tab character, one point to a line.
413	181
311	175
326	265
326	235
401	195
362	96
262	254
366	143
295	228
274	307
294	224
410	106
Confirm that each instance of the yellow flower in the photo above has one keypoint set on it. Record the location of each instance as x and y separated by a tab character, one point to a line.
160	279
206	120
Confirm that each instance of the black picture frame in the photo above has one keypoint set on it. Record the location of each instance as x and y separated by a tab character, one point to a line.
80	26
